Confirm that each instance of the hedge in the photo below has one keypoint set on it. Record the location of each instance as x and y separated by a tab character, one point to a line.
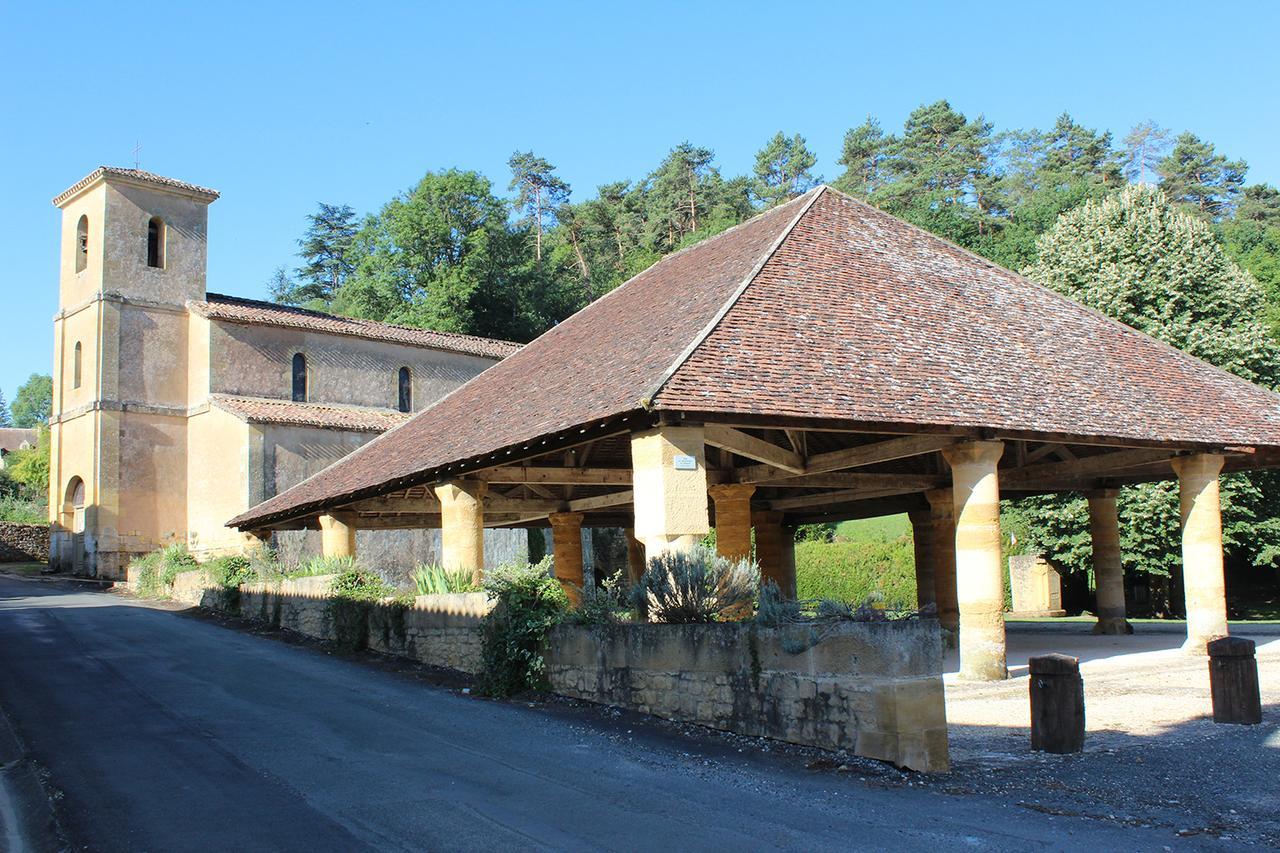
851	571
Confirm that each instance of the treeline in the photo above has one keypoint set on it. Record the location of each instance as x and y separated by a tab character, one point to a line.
452	254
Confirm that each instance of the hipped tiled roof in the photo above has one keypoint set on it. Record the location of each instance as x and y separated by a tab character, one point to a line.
234	309
820	308
264	410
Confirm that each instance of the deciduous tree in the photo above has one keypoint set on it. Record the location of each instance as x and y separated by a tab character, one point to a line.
33	403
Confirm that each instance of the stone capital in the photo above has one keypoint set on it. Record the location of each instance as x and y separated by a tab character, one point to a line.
1197	466
941	500
973	453
565	519
731	492
452	490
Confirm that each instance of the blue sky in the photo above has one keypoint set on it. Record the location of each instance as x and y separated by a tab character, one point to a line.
282	105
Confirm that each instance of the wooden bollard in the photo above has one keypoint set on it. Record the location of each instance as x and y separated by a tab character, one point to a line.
1057	704
1233	681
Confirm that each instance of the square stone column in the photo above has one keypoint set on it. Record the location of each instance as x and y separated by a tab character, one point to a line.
566	552
922	537
462	526
1108	568
733	519
338	534
1202	575
979	574
669	488
775	551
943	511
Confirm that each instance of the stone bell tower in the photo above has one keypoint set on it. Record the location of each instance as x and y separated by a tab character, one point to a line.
133	251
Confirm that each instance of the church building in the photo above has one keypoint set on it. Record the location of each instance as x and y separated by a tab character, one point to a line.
176	409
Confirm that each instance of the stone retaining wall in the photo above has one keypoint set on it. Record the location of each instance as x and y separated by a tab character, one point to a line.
24	543
872	688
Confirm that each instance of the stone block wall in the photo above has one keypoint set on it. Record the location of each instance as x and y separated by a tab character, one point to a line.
872	688
24	543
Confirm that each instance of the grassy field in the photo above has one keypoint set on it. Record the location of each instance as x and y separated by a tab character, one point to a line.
885	529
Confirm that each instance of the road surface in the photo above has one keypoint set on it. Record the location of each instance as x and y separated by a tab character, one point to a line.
166	732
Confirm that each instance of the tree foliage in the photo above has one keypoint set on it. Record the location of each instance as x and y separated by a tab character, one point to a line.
783	170
33	403
1136	257
325	250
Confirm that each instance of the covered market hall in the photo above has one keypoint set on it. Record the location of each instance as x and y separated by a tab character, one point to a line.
822	361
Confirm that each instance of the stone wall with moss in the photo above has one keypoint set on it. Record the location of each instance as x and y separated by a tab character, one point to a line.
872	688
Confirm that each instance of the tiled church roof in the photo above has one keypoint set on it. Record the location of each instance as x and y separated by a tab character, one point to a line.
263	410
820	308
136	175
233	309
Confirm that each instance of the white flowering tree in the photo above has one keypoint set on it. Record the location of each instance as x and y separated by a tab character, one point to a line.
1136	257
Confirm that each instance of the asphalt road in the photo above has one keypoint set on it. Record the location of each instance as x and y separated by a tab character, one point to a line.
165	732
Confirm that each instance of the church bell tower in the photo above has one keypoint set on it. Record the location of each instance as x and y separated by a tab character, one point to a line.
133	252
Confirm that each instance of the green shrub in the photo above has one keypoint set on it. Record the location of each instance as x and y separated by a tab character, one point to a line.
324	566
528	603
696	586
357	583
851	572
146	570
356	593
156	571
174	560
265	565
606	604
437	580
23	510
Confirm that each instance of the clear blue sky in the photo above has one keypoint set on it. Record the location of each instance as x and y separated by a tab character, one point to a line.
282	105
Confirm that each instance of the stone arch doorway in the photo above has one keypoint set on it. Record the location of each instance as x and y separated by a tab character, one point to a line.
73	521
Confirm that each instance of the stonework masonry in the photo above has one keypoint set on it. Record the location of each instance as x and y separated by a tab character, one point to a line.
23	543
873	688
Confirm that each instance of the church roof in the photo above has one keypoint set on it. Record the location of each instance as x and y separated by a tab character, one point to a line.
131	175
265	410
822	308
234	309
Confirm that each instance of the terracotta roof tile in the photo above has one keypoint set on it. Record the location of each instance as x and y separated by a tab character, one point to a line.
821	308
132	174
233	309
595	365
263	410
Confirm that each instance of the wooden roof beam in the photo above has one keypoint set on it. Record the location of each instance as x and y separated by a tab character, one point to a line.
553	476
855	457
744	444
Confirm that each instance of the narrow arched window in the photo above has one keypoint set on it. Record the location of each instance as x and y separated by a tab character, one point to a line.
75	366
406	390
82	244
155	242
299	378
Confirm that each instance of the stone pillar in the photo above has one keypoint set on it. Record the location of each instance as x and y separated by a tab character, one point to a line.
1202	575
922	537
733	519
943	511
775	551
566	552
462	526
1108	568
979	575
635	569
669	488
338	534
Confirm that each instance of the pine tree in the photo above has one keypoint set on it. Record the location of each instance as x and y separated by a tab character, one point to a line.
5	420
539	193
1144	148
1136	257
1196	175
783	170
863	156
679	193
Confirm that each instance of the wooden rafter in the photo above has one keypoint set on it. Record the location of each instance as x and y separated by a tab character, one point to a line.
549	475
854	457
751	447
1087	466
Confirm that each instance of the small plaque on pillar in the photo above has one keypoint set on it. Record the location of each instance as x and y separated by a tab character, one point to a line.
684	462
